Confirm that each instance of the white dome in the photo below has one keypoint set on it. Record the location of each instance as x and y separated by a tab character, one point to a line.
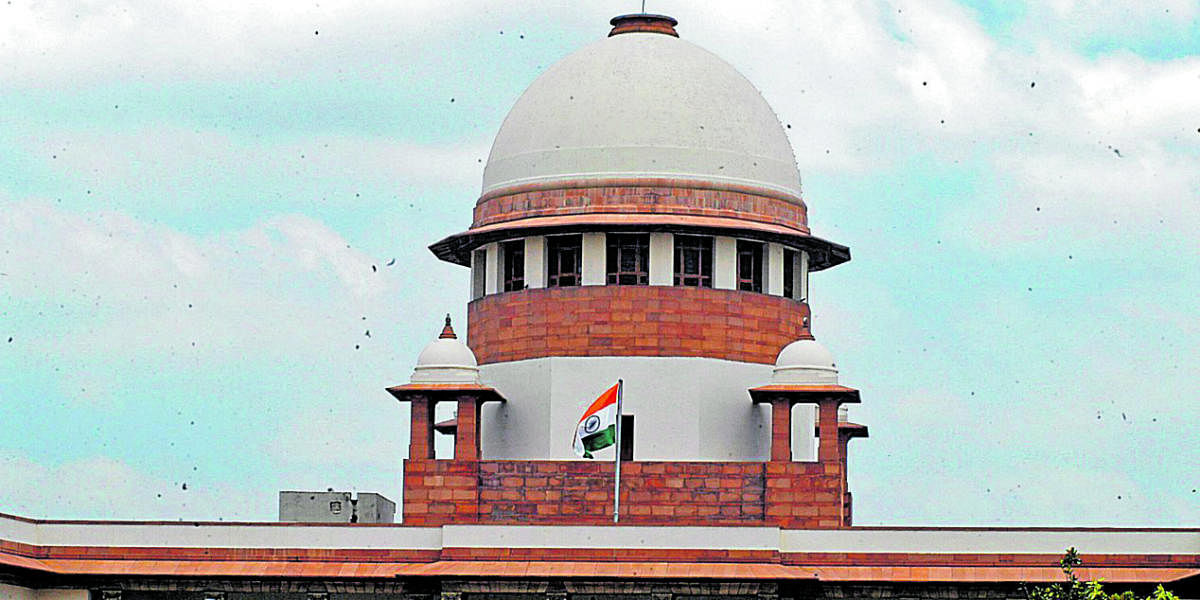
446	360
805	362
642	105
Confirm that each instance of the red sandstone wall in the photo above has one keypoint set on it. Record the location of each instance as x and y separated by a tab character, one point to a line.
564	491
792	495
803	495
633	321
679	197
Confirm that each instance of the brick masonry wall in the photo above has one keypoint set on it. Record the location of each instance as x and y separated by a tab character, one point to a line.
665	196
574	491
803	495
793	495
440	491
617	320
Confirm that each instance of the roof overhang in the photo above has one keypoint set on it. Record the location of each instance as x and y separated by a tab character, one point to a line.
847	430
822	253
800	394
439	391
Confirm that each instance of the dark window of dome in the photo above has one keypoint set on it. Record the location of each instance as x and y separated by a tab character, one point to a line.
790	257
563	255
750	266
693	260
628	259
513	254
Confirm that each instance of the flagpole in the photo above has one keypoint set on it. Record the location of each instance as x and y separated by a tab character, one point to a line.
617	479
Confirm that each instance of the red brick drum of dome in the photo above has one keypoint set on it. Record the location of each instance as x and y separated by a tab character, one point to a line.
634	321
643	195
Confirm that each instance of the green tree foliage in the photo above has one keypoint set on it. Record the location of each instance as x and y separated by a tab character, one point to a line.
1074	589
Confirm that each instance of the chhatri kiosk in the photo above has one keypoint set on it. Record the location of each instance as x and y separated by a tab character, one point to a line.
641	218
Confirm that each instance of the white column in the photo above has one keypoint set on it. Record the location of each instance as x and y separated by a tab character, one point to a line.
804	276
725	263
13	592
535	262
773	265
492	285
17	593
662	259
594	254
63	595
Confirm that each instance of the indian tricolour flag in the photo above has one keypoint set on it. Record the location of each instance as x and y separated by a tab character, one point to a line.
598	427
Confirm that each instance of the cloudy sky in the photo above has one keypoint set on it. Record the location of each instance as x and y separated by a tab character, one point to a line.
199	201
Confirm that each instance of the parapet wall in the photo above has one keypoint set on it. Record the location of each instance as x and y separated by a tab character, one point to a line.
794	495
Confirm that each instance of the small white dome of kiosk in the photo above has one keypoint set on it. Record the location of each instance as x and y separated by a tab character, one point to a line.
446	360
805	362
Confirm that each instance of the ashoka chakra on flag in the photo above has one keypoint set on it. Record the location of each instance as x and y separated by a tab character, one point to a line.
597	428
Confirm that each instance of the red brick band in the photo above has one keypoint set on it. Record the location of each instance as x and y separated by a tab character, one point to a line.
851	559
634	321
790	495
382	555
663	196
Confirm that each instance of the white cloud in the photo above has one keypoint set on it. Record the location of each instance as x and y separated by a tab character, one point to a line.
333	437
865	85
1029	493
124	306
101	487
1101	17
1094	193
168	157
1063	455
56	42
869	86
288	285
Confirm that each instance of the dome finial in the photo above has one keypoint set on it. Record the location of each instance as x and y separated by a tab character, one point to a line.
447	331
643	22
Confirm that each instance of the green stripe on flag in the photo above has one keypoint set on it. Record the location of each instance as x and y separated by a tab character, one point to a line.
599	440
